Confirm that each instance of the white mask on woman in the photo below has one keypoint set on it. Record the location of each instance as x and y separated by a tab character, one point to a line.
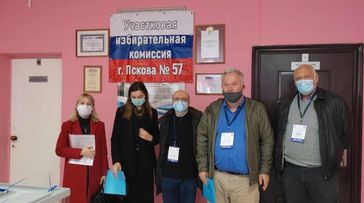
84	110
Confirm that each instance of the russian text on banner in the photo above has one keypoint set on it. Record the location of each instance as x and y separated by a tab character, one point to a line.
151	46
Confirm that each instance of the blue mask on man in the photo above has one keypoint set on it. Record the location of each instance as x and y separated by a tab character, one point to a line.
180	106
138	102
305	87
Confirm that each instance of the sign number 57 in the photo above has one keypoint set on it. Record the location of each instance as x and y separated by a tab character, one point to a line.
177	68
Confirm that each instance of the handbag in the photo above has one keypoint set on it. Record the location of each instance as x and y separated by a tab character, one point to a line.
99	197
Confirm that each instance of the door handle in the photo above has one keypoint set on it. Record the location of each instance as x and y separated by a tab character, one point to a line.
13	138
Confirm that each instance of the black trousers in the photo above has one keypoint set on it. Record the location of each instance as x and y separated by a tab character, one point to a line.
306	185
141	189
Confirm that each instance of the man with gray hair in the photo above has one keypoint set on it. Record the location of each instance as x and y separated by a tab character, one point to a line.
235	143
312	134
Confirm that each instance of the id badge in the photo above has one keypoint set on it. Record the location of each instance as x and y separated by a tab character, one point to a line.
227	140
298	133
173	153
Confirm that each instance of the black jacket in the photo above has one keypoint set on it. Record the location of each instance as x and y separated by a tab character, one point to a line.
165	122
334	122
125	138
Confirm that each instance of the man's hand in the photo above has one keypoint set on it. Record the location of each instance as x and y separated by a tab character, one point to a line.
203	177
344	159
264	181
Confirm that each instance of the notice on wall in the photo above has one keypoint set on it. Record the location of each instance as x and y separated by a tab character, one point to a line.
151	46
210	44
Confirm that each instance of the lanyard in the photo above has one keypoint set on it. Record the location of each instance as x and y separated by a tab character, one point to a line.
299	106
235	115
174	131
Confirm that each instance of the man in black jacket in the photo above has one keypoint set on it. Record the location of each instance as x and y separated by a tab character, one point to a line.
177	174
312	134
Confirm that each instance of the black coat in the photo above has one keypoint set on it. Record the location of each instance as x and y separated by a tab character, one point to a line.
125	138
165	121
334	123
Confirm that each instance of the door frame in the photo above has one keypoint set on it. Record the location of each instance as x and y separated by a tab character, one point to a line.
356	154
54	175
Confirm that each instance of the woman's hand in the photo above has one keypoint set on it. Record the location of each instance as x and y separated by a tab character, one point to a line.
115	168
88	152
145	135
102	180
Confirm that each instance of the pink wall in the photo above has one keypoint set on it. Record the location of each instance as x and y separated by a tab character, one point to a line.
50	28
5	84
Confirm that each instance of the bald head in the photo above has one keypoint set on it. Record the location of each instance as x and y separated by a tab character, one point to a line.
306	72
181	95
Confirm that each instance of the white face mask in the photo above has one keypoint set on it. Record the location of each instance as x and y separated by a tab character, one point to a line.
84	110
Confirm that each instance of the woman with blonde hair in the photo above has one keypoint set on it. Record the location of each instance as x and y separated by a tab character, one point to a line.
83	180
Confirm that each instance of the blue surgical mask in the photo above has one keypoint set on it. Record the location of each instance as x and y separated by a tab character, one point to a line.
138	102
180	106
305	87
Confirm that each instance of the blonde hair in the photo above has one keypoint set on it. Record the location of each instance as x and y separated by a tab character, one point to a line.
93	116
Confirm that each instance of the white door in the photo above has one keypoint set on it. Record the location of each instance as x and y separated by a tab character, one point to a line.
35	120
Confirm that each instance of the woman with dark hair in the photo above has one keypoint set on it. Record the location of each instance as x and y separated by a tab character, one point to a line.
134	135
83	180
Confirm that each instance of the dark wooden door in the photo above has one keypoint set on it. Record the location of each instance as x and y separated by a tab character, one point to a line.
340	72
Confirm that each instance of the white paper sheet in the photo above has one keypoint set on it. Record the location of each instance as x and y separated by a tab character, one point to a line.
210	44
81	141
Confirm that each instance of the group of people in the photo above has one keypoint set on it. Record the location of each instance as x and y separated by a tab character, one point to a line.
231	142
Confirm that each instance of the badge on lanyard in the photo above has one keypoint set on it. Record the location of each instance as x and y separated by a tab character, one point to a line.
227	140
173	153
298	133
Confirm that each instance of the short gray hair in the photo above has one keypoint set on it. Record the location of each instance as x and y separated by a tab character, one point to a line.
233	70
